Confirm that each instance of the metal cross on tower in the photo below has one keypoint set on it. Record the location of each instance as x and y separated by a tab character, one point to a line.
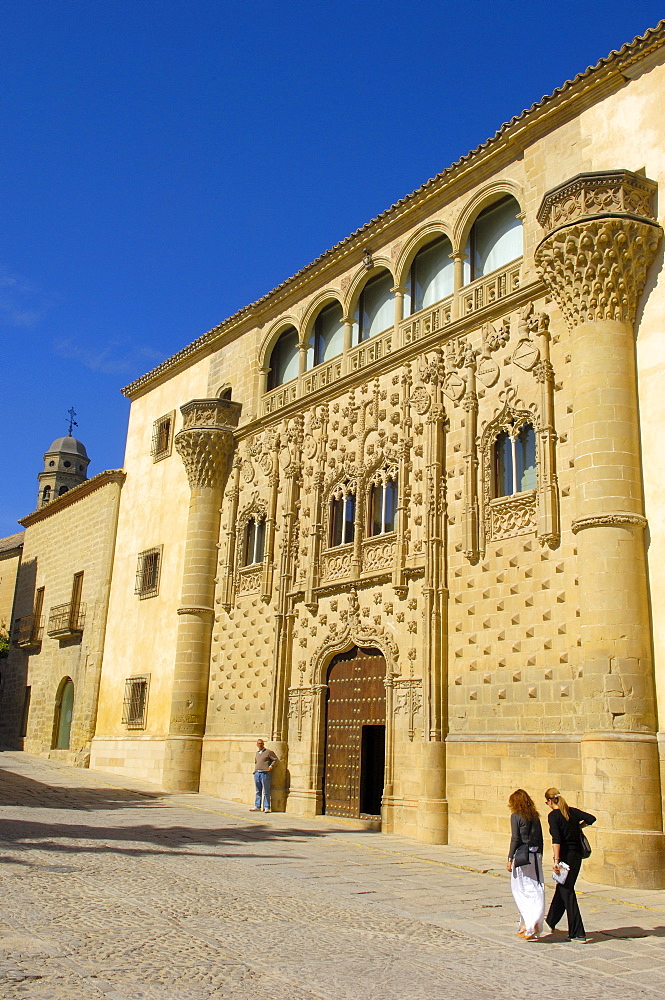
72	423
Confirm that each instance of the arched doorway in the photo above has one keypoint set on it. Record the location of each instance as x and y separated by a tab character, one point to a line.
355	744
63	715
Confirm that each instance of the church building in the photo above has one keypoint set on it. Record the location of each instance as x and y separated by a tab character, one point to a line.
402	517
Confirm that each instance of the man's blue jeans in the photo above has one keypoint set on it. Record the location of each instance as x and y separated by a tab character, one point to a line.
262	782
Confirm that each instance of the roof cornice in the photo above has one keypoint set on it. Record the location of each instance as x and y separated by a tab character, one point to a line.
596	82
74	495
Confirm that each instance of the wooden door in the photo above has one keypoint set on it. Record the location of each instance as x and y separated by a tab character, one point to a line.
356	699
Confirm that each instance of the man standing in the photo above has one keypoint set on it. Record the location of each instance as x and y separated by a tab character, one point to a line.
263	765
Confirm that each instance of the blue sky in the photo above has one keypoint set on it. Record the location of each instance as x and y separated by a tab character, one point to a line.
164	162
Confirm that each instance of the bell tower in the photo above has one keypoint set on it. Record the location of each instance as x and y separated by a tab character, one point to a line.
65	466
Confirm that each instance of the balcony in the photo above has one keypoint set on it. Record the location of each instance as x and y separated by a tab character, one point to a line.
66	621
29	631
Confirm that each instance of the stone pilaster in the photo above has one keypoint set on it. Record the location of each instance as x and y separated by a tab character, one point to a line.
601	239
206	445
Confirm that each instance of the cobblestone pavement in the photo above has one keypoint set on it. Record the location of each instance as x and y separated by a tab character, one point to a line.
112	889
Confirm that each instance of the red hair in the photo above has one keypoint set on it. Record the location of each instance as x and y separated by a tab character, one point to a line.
522	803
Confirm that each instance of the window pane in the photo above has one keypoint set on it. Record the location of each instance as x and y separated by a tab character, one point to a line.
503	465
526	459
376	501
496	238
249	542
391	504
431	275
328	334
376	310
260	540
349	514
284	359
336	518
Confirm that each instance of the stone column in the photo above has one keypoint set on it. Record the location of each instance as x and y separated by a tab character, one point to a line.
205	445
601	239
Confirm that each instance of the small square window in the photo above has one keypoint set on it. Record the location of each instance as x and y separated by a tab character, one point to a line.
162	437
135	704
148	572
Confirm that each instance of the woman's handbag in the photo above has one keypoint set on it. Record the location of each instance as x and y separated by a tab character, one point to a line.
522	856
586	846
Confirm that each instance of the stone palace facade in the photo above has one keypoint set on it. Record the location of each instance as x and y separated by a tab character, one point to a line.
403	516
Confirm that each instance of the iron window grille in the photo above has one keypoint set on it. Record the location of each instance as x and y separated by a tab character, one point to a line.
135	702
148	572
162	437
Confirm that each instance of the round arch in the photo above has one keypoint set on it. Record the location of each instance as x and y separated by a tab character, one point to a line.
360	278
273	335
483	199
417	241
322	299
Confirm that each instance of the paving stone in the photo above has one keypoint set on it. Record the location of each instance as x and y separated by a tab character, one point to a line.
125	893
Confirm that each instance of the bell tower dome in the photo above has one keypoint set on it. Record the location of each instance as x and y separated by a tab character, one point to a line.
65	466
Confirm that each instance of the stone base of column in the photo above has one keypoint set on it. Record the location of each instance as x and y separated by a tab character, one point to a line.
432	804
182	763
621	787
626	859
279	784
306	802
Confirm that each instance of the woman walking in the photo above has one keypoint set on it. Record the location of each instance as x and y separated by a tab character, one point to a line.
566	824
525	861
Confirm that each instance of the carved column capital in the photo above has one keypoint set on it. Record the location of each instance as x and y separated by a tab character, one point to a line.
602	238
206	441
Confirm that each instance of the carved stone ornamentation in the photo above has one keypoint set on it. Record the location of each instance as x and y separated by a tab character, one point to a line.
515	515
602	241
206	441
408	699
609	520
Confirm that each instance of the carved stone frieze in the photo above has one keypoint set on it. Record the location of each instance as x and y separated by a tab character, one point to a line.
249	580
608	192
609	520
515	515
378	553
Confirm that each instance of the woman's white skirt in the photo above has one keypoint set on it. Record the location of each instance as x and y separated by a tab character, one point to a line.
528	885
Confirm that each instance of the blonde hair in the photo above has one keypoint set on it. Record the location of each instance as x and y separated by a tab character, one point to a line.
554	795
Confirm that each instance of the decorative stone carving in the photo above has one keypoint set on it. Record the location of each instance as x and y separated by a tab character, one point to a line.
515	515
420	400
602	242
609	192
249	580
378	553
602	520
408	699
337	564
301	704
206	440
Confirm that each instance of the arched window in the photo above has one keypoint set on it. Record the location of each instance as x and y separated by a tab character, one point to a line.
46	494
63	489
430	277
495	239
343	514
226	394
376	309
515	462
327	337
383	502
255	531
284	359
